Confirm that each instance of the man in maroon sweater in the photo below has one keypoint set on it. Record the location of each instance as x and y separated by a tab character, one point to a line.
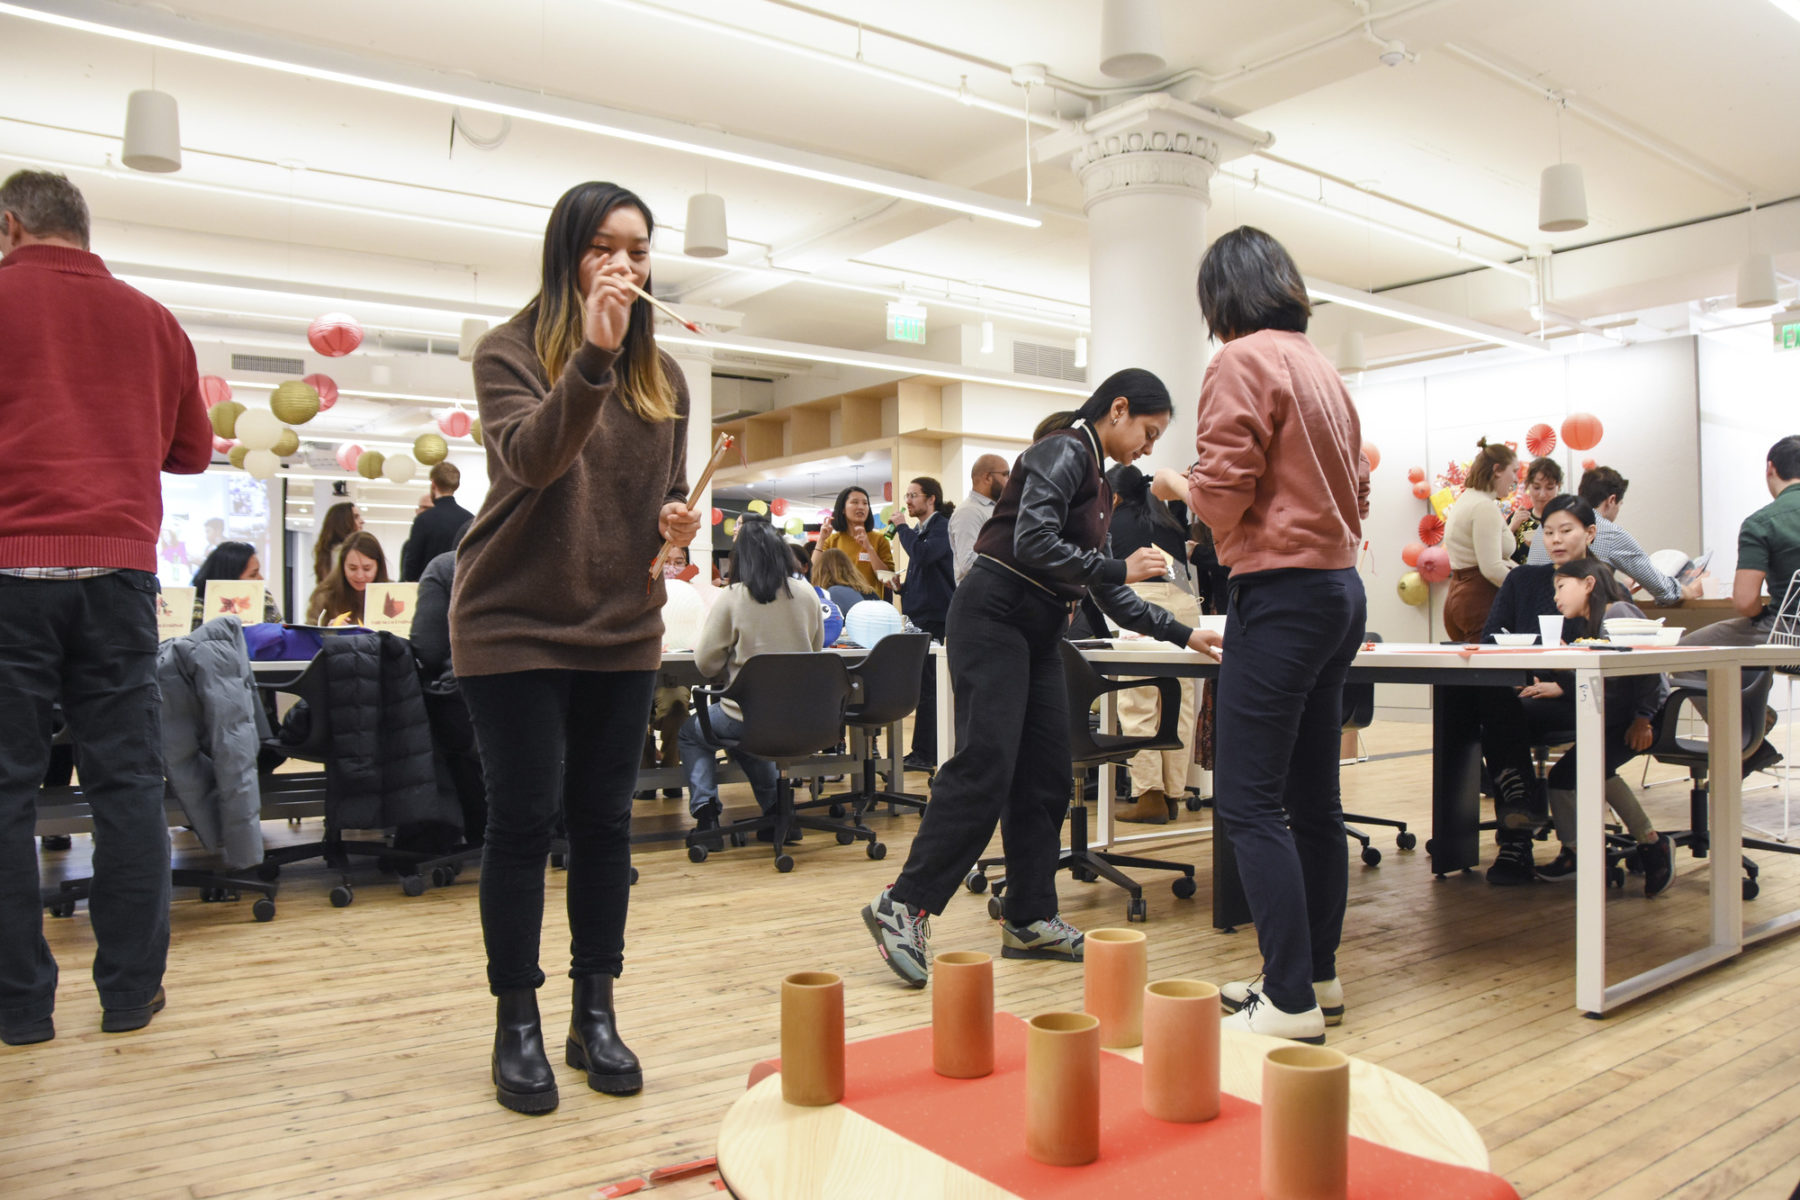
98	392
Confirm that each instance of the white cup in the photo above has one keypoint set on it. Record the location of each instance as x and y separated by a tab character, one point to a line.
1550	630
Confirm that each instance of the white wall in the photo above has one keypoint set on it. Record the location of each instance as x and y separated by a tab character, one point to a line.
1747	392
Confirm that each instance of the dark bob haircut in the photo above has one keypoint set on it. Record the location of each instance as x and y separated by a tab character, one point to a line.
1248	282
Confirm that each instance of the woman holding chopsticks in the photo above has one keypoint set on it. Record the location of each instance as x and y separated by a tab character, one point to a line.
553	636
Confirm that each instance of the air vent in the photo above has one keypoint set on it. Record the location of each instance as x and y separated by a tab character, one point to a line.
1047	362
268	364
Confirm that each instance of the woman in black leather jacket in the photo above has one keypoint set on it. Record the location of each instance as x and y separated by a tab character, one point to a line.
1043	549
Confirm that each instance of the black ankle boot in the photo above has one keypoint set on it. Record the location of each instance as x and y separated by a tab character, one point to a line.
523	1080
594	1045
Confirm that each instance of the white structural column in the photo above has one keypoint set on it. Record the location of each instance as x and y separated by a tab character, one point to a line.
696	368
1145	168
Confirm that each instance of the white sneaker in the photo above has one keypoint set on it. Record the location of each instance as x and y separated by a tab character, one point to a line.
1258	1015
1327	993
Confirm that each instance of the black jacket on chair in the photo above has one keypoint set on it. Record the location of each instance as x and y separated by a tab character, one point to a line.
434	531
378	770
930	571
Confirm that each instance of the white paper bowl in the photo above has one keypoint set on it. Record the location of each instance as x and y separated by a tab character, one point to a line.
1515	639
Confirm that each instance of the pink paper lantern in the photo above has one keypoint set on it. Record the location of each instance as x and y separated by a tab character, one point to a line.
326	386
1434	564
335	334
454	424
347	455
214	390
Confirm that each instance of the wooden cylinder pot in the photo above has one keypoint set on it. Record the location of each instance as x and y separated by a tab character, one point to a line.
1062	1089
812	1039
1114	970
1181	1050
962	1014
1305	1124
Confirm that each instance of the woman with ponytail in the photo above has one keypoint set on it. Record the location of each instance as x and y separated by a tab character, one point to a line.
1478	541
1044	548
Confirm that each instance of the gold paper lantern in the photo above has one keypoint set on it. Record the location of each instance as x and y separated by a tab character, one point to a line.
369	464
286	444
475	430
295	402
224	418
237	452
430	449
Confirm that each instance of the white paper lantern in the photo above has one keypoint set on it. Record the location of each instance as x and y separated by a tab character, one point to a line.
261	464
257	429
398	467
682	615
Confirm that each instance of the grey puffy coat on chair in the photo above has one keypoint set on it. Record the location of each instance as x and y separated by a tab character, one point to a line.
212	728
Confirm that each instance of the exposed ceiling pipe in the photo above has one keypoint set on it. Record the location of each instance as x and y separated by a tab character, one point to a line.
1595	115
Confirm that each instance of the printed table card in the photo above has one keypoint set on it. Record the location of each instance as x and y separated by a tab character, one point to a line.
240	598
390	606
174	612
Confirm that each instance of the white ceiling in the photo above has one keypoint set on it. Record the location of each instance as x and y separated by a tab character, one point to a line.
265	150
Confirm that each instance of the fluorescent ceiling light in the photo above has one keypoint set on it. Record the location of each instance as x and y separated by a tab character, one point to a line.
1414	314
168	32
765	347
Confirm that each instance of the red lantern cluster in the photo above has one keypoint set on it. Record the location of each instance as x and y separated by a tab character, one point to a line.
1410	554
1415	474
1434	564
1422	490
1431	529
1588	464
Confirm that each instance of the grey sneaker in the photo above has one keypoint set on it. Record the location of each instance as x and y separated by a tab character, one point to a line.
1051	938
903	935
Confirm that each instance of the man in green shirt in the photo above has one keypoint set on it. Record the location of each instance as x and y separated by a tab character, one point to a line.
1768	554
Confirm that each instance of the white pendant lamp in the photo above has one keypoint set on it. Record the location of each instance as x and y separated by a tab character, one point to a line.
1130	39
152	132
705	237
1562	199
1756	282
1352	360
472	330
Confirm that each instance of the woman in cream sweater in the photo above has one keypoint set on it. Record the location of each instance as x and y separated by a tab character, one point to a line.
1478	542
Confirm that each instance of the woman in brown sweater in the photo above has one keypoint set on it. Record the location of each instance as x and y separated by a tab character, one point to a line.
553	635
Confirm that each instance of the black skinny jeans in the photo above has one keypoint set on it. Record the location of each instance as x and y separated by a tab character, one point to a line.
1290	636
557	742
1012	763
90	643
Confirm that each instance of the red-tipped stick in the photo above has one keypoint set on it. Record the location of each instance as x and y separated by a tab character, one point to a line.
725	443
692	328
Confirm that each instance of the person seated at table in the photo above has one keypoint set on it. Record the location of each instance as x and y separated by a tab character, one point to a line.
230	561
1586	596
342	591
678	565
1768	557
1506	735
1604	490
833	571
767	611
1478	542
1543	483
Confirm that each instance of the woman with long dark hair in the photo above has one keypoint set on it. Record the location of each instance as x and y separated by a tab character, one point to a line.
852	530
1043	550
358	563
230	561
339	522
554	637
1279	482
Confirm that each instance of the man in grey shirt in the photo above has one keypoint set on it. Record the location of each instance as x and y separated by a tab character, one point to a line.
1604	489
987	480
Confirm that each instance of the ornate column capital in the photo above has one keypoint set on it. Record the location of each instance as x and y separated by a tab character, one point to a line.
1151	143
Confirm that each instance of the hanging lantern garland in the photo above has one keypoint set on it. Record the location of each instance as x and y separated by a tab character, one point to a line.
224	417
214	390
454	424
368	464
475	430
236	456
1434	564
430	449
347	454
288	443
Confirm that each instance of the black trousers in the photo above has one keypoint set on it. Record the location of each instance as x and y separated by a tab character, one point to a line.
90	643
1510	726
557	742
1290	637
924	733
1011	764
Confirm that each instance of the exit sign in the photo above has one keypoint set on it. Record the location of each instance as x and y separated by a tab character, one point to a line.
905	322
1787	329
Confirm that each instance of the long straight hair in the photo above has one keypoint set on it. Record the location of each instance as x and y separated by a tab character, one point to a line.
760	560
833	568
334	595
338	523
560	309
1606	589
1144	394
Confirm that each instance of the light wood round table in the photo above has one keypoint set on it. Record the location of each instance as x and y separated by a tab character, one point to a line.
772	1150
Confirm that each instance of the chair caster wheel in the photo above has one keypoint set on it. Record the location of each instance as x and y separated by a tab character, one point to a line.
442	877
412	885
976	882
836	811
1184	888
1751	888
263	909
784	863
738	839
996	910
696	854
877	851
634	876
1371	856
62	910
268	872
1407	840
1195	804
341	896
844	839
1137	911
1430	847
559	862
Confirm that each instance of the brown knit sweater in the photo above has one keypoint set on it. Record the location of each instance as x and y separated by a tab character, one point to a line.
551	573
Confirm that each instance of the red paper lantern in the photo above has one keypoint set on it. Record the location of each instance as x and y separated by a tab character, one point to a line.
1540	439
887	491
1372	453
1422	490
1434	564
717	516
1410	555
455	424
325	385
335	334
214	390
778	507
347	455
1431	529
1588	464
1582	431
1415	474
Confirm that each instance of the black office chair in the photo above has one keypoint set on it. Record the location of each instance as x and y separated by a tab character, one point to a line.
793	706
1089	747
885	689
1359	713
1671	747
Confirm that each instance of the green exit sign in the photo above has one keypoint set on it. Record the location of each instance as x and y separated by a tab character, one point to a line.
1787	329
906	322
